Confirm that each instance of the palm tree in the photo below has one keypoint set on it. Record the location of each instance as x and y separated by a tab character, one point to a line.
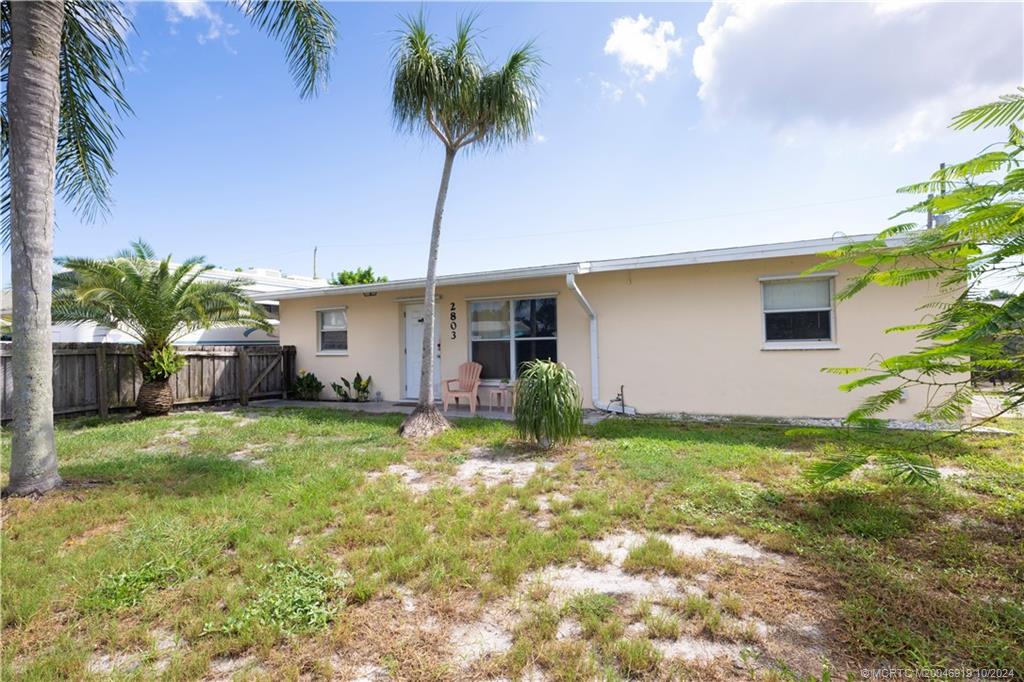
60	65
154	302
449	92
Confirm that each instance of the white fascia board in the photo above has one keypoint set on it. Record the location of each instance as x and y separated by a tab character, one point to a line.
442	281
807	247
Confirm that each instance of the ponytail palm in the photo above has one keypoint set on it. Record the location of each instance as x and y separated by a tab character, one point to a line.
449	92
153	301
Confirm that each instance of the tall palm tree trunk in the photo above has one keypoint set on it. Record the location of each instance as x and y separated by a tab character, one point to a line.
426	419
34	107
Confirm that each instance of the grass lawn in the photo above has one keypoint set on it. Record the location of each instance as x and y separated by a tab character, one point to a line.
316	544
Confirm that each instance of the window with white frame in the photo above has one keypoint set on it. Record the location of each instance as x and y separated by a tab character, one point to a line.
505	333
332	330
798	310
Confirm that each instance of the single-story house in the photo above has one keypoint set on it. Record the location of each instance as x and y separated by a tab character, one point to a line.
734	331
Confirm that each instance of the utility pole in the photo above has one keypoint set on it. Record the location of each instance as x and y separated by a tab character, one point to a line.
942	193
314	261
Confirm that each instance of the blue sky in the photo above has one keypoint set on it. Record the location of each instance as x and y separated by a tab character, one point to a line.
663	127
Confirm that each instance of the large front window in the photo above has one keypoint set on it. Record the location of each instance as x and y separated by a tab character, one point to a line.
506	333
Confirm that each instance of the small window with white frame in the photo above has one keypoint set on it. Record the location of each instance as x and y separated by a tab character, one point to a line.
798	311
332	330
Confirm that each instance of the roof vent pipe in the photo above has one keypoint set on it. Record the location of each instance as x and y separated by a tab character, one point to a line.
595	382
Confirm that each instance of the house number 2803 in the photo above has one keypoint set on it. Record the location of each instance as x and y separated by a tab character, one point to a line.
453	323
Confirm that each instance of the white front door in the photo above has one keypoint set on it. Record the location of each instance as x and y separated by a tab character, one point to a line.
414	326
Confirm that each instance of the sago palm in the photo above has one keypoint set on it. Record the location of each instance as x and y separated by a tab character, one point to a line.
61	90
156	303
449	92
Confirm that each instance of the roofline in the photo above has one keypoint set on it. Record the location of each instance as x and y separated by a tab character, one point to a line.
443	280
806	247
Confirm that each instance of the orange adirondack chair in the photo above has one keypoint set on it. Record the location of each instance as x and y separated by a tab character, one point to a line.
465	386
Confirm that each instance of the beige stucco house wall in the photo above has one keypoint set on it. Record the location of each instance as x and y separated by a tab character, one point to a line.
678	338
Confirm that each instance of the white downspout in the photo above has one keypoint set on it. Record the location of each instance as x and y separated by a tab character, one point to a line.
595	381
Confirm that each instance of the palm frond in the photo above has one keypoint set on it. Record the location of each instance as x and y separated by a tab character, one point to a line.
448	91
154	301
308	30
93	50
1004	111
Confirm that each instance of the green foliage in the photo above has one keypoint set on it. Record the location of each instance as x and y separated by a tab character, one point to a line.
156	302
94	50
976	240
127	588
163	363
358	276
307	386
298	598
548	408
357	390
450	92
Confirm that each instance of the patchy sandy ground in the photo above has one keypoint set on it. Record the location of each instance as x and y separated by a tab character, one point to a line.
481	467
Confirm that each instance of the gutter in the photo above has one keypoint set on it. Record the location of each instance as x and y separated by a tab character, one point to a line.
595	378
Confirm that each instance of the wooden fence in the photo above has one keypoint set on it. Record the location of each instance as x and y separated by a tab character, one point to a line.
99	377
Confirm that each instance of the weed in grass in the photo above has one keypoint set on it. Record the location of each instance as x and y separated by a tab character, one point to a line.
296	599
127	588
636	657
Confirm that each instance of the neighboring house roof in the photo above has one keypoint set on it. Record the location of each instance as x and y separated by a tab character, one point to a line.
807	247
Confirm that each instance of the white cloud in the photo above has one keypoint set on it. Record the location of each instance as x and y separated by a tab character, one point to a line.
611	91
644	49
539	138
216	27
898	68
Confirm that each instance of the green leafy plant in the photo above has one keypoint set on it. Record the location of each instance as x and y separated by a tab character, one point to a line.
973	238
163	363
298	598
548	408
358	276
307	386
154	301
357	390
127	588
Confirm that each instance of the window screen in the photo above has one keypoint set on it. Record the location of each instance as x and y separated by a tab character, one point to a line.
333	329
798	310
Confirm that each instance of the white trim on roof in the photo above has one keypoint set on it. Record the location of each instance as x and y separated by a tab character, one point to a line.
805	247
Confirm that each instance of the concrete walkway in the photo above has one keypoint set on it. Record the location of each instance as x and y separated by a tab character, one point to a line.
386	407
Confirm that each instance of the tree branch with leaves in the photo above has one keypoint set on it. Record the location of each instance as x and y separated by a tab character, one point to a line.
975	242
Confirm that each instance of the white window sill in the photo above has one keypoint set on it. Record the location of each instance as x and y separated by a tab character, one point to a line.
801	345
334	353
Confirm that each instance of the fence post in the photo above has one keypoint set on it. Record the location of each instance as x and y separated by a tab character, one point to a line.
102	392
243	375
